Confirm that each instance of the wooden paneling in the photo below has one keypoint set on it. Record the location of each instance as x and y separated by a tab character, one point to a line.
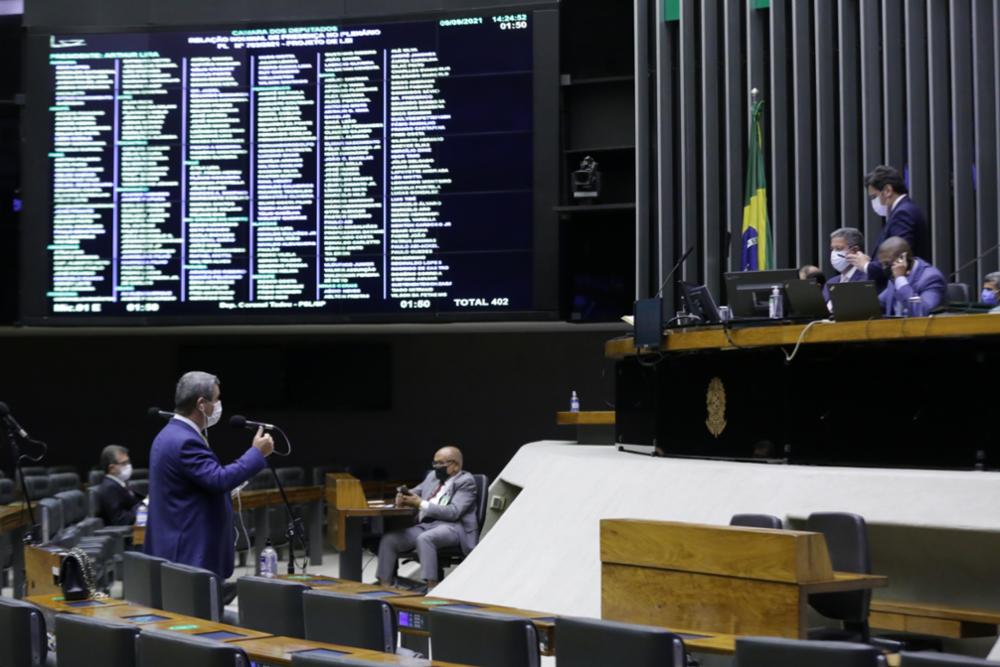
931	619
41	570
703	602
749	553
598	417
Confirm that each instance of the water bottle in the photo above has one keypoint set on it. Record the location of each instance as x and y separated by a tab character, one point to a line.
776	304
268	561
574	403
141	515
916	307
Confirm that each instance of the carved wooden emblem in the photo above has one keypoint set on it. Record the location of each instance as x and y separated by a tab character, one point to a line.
715	404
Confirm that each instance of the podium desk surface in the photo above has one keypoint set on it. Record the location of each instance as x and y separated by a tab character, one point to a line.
13	516
715	338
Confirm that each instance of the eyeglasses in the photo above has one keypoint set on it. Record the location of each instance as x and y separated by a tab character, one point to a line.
441	464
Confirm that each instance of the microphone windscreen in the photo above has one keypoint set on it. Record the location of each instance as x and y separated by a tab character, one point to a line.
238	421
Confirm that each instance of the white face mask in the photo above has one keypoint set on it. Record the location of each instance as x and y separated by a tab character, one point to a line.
125	473
213	419
839	260
880	209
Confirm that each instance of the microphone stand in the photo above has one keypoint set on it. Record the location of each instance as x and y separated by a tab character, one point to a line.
32	533
294	530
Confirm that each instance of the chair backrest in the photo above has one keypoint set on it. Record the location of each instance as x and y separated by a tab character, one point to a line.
64	481
141	579
349	620
93	501
262	480
158	648
482	489
6	491
38	486
958	292
22	634
55	470
319	474
94	477
140	486
756	521
192	591
75	506
34	471
587	642
932	659
291	476
85	641
319	659
140	473
271	605
52	518
847	541
480	638
775	652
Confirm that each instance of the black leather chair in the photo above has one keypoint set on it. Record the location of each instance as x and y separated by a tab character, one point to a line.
140	473
141	579
83	641
349	620
22	635
34	471
587	642
140	486
156	648
959	293
64	481
55	470
319	474
756	521
484	639
94	477
942	660
7	493
775	652
291	475
847	541
38	486
191	591
271	605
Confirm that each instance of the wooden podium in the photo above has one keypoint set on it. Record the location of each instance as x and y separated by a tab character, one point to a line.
741	581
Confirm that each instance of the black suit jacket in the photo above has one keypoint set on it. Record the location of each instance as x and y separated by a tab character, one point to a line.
116	504
908	222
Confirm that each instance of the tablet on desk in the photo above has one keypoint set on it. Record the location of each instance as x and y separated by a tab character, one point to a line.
320	651
146	618
220	635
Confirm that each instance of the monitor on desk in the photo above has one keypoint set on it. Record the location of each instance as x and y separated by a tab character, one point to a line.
748	292
700	302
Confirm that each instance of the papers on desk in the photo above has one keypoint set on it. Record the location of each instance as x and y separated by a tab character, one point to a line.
629	320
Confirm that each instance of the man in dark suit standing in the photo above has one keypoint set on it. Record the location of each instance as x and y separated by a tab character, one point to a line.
890	199
446	501
116	501
190	511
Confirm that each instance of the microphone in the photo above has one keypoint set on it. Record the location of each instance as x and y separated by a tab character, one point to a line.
9	418
162	414
674	270
239	421
974	261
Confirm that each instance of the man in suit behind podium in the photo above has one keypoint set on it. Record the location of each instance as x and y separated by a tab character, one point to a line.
190	511
446	501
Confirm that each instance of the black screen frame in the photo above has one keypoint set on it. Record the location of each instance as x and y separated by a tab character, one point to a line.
36	139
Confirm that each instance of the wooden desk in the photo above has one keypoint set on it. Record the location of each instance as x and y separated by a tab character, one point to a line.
933	619
138	535
718	579
706	338
58	604
592	427
41	569
346	586
260	500
13	522
279	651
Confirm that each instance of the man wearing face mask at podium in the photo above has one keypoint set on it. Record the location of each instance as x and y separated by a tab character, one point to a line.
190	511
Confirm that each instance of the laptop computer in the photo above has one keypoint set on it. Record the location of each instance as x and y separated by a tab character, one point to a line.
805	300
855	301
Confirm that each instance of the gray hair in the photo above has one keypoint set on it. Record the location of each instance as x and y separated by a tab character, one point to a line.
992	278
192	386
109	456
852	237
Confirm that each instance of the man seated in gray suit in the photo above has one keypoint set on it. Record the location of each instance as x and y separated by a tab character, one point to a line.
446	501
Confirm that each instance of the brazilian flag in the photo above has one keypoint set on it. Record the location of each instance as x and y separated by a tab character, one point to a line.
758	247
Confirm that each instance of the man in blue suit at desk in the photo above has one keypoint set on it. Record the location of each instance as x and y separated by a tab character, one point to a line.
890	199
844	242
916	287
190	511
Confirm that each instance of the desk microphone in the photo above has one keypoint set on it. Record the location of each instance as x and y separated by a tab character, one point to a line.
239	421
674	270
974	261
9	418
162	414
